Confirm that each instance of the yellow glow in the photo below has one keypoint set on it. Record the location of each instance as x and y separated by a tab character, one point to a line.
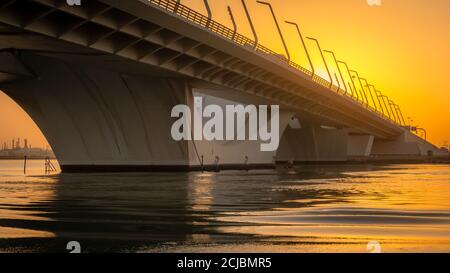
401	47
399	209
14	123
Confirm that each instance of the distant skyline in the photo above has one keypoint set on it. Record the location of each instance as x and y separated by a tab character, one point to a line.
401	46
21	142
15	122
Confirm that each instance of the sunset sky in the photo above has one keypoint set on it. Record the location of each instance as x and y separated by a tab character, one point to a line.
402	47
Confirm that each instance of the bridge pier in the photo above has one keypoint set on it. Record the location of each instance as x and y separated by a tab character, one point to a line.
313	143
407	144
101	120
236	154
360	145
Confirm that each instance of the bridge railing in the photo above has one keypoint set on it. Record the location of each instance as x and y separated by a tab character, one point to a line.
196	17
200	19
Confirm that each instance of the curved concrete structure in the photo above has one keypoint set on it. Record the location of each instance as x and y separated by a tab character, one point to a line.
100	81
99	117
101	120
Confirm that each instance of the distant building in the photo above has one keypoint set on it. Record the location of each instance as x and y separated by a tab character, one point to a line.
19	152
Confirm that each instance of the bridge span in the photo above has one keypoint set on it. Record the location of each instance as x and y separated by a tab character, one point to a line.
100	81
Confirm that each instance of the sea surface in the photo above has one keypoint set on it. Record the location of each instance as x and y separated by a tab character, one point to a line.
342	208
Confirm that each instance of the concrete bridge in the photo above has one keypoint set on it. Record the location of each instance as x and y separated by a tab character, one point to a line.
100	81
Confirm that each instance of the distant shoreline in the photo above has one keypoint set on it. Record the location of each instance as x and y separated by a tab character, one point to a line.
385	160
28	158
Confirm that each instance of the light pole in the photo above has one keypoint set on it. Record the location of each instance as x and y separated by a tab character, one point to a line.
339	69
380	95
392	110
249	18
392	104
391	115
304	46
351	79
422	130
230	12
359	91
323	58
364	95
401	114
338	83
374	91
208	10
177	6
397	113
370	93
278	27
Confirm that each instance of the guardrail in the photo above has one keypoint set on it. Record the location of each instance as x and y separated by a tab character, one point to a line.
195	17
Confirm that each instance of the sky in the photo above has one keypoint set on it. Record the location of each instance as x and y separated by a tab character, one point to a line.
400	46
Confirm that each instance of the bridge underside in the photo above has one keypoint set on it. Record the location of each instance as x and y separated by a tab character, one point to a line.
100	81
140	37
105	120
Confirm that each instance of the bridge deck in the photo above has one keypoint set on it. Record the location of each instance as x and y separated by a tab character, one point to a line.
177	41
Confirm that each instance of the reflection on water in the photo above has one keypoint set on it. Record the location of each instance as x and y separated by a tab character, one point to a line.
308	209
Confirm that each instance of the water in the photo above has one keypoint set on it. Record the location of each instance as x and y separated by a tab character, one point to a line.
404	208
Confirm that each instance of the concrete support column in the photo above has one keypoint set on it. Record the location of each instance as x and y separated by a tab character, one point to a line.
359	145
232	154
313	143
406	144
101	120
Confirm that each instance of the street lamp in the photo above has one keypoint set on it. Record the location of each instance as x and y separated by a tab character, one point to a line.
398	114
380	95
391	114
177	6
351	79
401	114
249	18
323	58
424	131
370	93
392	104
278	27
230	12
304	46
339	69
364	95
374	91
417	129
208	10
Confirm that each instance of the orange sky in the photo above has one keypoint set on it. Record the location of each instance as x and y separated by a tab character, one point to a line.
402	47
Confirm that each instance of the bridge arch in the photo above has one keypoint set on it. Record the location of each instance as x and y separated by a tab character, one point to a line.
101	120
17	125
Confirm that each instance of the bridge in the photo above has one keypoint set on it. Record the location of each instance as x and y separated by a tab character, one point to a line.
100	80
